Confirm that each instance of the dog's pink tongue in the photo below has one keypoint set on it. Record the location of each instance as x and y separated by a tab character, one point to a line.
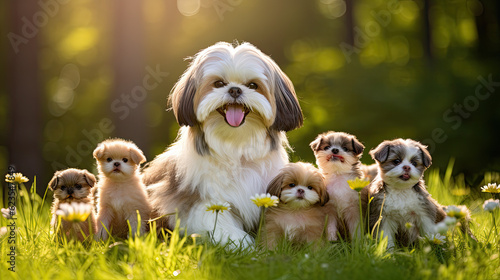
235	115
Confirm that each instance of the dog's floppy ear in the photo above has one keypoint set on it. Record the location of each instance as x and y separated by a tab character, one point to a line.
357	147
426	156
54	181
288	113
316	143
99	151
182	99
381	152
137	156
89	178
274	187
323	196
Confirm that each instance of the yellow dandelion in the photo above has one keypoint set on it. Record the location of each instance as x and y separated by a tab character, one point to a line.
74	212
491	188
218	207
17	178
357	184
265	200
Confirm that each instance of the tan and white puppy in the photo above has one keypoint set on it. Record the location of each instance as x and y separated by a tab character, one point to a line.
337	156
73	185
299	216
121	190
234	105
400	188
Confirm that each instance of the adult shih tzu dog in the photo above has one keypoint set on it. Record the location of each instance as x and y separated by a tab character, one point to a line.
338	157
299	216
400	192
234	105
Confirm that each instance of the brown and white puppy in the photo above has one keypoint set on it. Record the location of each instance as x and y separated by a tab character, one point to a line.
121	191
234	105
299	216
73	185
337	156
400	188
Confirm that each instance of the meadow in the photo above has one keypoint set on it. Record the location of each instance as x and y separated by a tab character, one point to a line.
39	254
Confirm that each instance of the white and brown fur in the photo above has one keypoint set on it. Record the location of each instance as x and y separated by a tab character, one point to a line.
338	157
212	160
121	190
400	188
299	216
73	185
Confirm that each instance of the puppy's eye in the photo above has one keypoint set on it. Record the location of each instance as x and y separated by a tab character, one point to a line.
125	159
396	161
309	187
326	148
345	149
414	163
291	185
63	188
252	86
78	186
109	159
219	84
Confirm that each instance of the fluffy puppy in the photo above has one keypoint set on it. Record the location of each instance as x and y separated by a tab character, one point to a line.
234	105
337	156
400	188
299	216
73	185
121	191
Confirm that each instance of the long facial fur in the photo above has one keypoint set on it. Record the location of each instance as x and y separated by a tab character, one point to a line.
212	161
73	185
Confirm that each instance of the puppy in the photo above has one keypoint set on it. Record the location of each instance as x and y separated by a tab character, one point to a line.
121	191
73	185
299	216
234	105
400	188
337	156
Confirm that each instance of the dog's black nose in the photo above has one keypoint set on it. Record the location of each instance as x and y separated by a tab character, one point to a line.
235	92
300	191
117	164
335	150
406	168
70	191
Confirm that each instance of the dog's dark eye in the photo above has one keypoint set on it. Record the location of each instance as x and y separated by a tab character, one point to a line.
78	186
309	187
125	159
345	149
326	148
252	86
396	161
219	84
109	159
414	163
63	188
291	185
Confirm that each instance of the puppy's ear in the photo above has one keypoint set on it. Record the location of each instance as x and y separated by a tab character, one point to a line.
316	143
426	156
89	178
137	156
99	151
323	196
288	113
381	153
182	99
357	147
274	187
54	181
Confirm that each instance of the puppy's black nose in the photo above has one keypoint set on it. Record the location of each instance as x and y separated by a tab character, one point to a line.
406	168
300	191
116	164
335	150
70	191
235	92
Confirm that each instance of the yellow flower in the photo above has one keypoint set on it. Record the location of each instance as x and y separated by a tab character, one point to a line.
357	184
437	239
458	212
491	188
17	178
74	212
218	207
265	200
409	225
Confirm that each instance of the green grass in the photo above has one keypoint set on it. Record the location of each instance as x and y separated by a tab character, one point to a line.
41	255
